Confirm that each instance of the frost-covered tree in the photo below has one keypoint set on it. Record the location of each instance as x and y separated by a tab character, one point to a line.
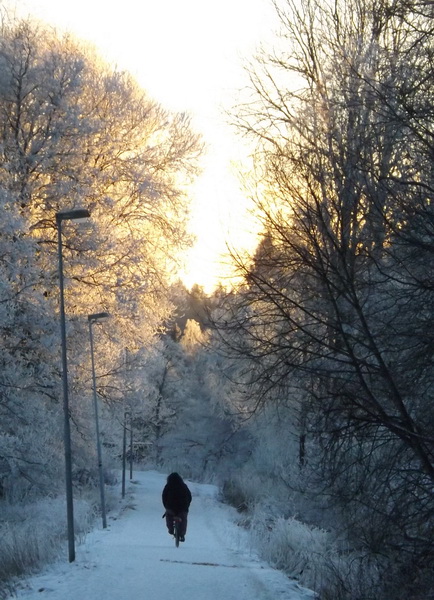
179	404
28	403
75	132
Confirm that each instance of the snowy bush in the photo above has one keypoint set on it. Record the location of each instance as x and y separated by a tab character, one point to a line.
233	494
350	576
244	489
312	556
33	534
291	546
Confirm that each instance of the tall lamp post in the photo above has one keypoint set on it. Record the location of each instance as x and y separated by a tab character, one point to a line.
92	319
124	453
69	215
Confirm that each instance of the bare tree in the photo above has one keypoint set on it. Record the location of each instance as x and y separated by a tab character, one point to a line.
335	313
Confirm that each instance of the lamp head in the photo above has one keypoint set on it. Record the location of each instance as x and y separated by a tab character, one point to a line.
98	316
69	215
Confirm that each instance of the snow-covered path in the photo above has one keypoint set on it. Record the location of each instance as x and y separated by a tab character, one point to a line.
135	557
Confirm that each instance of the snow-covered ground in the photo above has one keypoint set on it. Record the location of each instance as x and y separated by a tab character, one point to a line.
135	557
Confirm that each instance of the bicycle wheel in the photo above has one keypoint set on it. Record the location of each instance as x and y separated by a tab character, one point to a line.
176	526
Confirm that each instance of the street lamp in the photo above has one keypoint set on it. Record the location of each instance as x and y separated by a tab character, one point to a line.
69	215
92	319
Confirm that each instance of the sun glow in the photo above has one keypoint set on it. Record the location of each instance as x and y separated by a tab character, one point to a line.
188	55
221	222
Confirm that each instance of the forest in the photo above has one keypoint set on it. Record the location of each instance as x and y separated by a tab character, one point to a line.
305	390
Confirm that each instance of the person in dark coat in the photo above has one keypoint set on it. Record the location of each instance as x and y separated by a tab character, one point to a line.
176	500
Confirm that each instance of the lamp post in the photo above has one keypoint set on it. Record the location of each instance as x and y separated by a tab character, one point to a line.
124	452
60	217
131	446
124	449
92	319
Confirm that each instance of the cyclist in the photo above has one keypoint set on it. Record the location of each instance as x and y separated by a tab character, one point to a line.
176	500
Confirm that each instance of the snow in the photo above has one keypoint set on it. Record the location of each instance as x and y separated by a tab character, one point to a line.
135	557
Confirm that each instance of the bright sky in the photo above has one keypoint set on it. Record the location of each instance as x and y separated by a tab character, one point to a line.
188	55
136	558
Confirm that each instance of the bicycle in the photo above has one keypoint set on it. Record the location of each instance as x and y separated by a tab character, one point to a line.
177	522
177	528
